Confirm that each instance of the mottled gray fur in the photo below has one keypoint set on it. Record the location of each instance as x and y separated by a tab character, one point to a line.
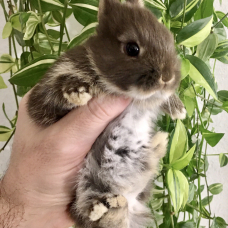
112	187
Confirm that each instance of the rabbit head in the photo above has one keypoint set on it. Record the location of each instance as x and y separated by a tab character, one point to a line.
132	52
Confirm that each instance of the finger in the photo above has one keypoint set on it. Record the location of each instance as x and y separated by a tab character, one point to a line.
24	121
83	125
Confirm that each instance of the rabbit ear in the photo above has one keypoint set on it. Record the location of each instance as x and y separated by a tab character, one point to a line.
106	6
136	2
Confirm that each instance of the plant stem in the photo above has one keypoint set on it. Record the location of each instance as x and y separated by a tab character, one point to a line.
214	68
171	212
199	192
185	3
14	89
189	205
197	106
204	169
42	21
6	143
21	5
163	205
215	154
220	21
10	5
62	26
167	122
15	51
207	100
68	37
208	121
155	220
4	10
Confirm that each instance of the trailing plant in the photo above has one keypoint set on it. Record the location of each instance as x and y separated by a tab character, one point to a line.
199	35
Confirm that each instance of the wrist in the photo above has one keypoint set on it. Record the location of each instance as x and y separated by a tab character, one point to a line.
16	212
11	214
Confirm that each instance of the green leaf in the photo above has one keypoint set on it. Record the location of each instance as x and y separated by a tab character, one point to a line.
7	30
42	44
48	5
85	12
215	189
24	58
54	3
189	104
189	15
194	33
31	24
189	92
6	63
225	106
221	50
4	129
224	59
207	200
176	24
179	143
201	74
5	133
221	32
188	224
207	47
33	55
19	37
24	18
191	194
212	138
15	22
223	95
178	188
207	8
4	111
185	68
201	188
51	21
223	160
156	4
214	107
177	8
184	188
218	222
33	72
22	90
184	161
2	83
58	15
156	203
205	215
157	13
220	16
53	33
85	33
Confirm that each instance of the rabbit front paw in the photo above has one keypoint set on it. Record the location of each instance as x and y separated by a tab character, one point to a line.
81	97
179	114
101	207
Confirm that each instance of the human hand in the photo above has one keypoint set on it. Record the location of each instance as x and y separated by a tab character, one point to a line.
37	187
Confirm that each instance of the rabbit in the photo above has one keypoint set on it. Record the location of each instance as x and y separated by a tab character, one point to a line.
131	55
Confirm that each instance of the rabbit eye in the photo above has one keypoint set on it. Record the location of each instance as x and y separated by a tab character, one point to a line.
132	49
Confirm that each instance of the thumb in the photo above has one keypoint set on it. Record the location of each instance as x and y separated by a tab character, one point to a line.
83	125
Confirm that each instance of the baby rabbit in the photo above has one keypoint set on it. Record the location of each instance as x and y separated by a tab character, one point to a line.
131	55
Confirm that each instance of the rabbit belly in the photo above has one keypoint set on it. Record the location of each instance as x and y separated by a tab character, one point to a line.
117	170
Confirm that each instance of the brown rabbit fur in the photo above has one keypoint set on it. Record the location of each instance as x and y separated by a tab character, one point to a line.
131	55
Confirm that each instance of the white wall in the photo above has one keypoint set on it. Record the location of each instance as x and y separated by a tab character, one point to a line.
215	173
